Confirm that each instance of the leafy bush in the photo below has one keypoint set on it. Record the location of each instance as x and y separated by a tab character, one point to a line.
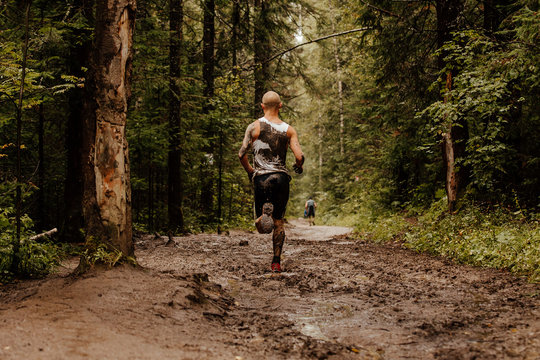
494	237
484	237
36	259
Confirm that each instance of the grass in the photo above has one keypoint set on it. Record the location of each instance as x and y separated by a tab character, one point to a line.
479	236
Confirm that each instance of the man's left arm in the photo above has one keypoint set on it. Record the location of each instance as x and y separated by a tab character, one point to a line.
297	150
242	154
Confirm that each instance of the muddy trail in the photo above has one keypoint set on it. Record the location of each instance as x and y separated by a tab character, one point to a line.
213	297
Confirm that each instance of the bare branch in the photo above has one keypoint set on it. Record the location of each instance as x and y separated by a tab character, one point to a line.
315	40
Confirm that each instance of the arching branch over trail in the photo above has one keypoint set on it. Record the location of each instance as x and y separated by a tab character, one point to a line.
316	40
281	53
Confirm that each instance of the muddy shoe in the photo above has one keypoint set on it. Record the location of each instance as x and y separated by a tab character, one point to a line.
265	224
276	267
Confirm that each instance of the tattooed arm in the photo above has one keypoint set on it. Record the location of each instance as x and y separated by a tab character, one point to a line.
246	146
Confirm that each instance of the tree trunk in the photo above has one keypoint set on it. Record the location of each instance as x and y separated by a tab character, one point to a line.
107	193
340	92
209	34
207	193
454	139
42	224
220	180
235	37
175	180
320	133
18	194
73	185
261	46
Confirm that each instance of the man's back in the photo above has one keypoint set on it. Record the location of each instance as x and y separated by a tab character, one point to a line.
270	148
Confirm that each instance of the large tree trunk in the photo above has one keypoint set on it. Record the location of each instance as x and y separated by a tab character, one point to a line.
107	193
455	138
175	180
261	46
73	185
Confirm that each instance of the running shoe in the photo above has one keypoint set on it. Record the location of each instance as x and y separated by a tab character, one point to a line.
266	223
276	267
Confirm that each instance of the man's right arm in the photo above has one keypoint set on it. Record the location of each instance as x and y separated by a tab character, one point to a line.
242	154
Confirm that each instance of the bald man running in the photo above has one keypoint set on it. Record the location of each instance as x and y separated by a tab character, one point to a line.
269	138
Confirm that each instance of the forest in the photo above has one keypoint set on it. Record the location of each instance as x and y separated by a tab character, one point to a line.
419	121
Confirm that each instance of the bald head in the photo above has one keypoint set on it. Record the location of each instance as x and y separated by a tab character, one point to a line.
271	100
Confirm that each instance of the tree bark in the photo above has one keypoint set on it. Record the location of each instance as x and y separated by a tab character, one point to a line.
175	180
261	45
73	185
107	192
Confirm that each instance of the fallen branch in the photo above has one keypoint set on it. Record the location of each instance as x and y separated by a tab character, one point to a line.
46	233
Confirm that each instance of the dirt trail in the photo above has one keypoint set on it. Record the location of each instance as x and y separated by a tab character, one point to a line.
213	297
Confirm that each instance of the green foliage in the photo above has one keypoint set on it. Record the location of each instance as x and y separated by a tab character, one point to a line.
483	237
477	236
37	258
97	252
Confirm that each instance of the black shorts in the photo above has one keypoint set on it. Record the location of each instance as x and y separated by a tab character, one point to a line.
311	211
272	188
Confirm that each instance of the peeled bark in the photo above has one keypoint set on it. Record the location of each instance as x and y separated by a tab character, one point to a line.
107	193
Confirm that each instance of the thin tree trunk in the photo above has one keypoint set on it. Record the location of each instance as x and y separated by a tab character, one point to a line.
18	195
207	194
220	184
175	180
209	34
73	186
41	170
454	139
320	133
107	191
261	43
151	195
235	25
340	91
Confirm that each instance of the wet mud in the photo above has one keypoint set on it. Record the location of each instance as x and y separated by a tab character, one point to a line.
214	297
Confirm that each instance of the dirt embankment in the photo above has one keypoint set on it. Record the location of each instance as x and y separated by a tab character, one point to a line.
213	297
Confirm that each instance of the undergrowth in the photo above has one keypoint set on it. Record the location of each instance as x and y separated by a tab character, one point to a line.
491	237
97	252
37	258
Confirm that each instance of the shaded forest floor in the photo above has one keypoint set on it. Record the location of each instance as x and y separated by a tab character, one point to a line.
213	297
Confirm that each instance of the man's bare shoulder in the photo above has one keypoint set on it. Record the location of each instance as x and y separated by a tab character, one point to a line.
291	131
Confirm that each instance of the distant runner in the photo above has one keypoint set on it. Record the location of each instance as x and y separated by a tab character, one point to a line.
269	138
310	210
